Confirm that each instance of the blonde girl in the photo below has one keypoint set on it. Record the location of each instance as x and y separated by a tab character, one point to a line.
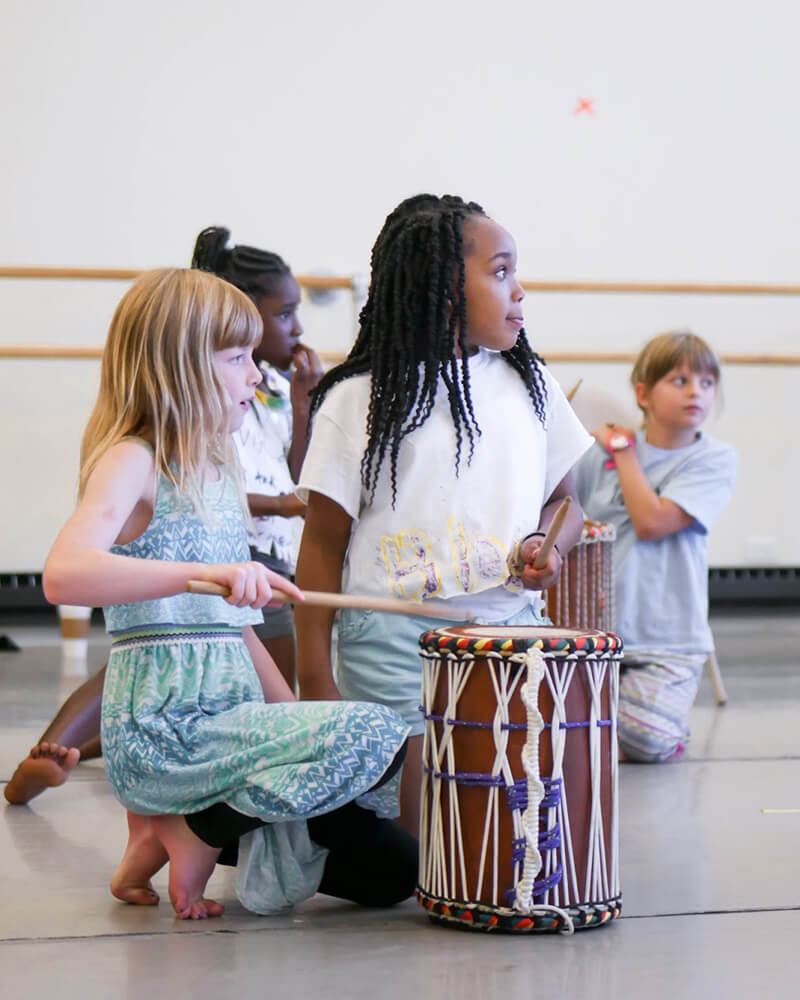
191	748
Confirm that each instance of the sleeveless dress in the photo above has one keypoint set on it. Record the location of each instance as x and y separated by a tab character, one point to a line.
185	725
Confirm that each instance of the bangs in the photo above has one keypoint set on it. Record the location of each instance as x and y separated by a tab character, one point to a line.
241	324
670	350
699	357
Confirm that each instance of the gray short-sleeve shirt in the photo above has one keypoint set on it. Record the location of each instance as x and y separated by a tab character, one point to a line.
662	586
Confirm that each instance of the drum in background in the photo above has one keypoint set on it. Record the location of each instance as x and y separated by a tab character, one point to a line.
584	594
519	817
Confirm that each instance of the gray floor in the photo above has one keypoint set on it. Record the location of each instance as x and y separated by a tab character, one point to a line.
709	874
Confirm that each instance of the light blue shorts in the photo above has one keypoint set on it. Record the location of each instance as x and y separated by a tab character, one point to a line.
378	658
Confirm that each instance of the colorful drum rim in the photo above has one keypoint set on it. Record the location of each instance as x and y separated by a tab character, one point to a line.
598	531
500	920
510	640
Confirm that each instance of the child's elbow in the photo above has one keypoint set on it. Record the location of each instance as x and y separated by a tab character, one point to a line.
52	591
55	583
647	531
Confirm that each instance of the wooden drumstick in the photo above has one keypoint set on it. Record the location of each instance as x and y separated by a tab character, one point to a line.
574	389
323	599
552	535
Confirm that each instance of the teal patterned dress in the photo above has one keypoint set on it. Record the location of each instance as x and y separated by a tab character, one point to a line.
185	725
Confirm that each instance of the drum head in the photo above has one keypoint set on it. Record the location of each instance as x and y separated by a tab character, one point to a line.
519	638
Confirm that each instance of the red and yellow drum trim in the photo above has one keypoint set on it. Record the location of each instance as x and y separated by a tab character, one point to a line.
598	531
507	640
501	920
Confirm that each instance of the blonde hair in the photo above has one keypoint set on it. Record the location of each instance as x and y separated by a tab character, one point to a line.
668	350
158	380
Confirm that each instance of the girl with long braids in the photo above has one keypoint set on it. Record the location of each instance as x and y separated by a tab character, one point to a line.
440	450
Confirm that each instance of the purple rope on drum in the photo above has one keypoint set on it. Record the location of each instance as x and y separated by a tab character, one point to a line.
549	839
471	779
511	726
517	794
517	797
540	886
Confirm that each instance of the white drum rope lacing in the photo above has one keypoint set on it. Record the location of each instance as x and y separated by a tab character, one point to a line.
529	692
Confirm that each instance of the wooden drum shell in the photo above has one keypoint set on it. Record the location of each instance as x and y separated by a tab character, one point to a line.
481	893
583	597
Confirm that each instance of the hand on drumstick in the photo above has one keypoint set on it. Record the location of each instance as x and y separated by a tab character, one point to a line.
544	577
247	584
539	556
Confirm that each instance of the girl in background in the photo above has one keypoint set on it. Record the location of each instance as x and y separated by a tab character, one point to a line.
662	487
272	439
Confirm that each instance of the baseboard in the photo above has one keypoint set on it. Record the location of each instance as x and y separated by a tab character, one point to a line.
726	585
758	585
22	592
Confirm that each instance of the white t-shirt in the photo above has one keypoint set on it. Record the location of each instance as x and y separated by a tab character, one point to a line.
448	536
263	443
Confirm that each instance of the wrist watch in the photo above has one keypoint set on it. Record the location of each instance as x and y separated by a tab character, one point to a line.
619	442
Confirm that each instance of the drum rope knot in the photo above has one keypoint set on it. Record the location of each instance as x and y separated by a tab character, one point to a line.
529	693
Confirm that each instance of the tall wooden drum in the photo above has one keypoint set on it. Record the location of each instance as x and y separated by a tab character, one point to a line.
519	821
583	597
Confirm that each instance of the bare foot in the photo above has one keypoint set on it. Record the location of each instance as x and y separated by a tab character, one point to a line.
143	857
191	862
46	766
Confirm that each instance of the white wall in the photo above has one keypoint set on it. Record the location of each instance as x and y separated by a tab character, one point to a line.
129	127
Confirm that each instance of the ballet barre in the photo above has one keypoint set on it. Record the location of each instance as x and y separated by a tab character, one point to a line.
352	283
131	274
55	352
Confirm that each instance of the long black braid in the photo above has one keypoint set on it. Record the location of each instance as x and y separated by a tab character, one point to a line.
415	313
253	271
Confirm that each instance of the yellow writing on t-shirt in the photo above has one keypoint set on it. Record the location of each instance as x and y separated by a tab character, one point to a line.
478	561
410	568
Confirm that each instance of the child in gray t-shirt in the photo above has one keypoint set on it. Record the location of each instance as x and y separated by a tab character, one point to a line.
662	488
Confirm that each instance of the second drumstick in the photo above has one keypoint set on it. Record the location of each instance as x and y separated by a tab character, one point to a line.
552	534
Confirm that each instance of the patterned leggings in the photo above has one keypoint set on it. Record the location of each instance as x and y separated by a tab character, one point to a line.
656	692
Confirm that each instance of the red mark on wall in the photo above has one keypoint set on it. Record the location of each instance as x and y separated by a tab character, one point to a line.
585	104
